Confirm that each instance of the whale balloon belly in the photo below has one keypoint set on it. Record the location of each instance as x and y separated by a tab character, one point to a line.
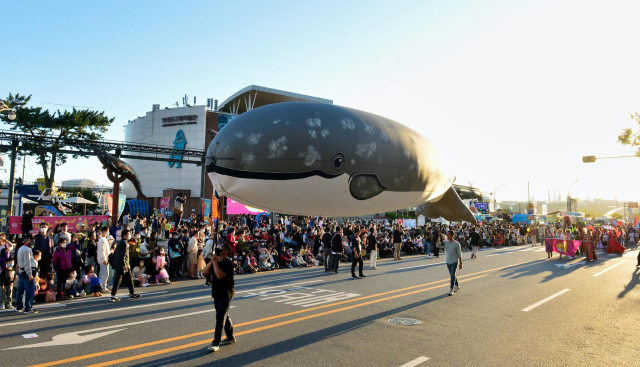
311	196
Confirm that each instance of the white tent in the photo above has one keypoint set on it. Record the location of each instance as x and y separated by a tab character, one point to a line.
78	200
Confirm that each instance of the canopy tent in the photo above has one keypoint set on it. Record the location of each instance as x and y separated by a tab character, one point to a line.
78	200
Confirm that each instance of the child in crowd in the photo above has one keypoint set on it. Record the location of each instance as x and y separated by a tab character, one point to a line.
201	264
90	278
250	264
7	275
138	273
161	267
73	287
44	285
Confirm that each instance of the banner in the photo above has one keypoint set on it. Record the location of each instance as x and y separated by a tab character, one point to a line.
206	209
564	247
234	207
121	202
214	207
164	206
73	222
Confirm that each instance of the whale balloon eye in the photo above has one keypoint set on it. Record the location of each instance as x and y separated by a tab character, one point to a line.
338	162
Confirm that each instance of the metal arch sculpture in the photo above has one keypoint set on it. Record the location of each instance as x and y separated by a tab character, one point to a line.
118	171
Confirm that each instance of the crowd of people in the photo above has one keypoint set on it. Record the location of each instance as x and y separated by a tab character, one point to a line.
57	264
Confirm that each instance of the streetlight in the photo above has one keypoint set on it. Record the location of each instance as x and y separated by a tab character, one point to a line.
12	111
494	196
593	158
569	195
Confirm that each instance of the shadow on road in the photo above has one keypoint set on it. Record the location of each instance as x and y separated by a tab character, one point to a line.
635	280
226	357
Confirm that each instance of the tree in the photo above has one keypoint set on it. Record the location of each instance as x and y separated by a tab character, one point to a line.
630	137
76	124
617	216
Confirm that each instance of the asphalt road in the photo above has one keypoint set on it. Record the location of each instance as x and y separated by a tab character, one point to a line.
515	308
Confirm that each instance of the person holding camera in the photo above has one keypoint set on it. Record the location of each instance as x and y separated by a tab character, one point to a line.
178	207
222	291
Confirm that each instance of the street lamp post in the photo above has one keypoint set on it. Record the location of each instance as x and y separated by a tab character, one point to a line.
12	111
494	196
569	195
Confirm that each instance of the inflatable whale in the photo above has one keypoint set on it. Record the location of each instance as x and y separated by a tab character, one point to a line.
317	159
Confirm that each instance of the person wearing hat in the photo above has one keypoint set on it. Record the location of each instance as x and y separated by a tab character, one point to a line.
26	282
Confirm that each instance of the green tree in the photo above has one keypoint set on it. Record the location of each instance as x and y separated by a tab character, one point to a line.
76	124
631	137
617	216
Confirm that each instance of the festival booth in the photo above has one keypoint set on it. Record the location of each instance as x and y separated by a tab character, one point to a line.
134	207
521	218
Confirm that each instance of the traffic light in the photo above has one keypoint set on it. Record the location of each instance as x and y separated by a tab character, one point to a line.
588	159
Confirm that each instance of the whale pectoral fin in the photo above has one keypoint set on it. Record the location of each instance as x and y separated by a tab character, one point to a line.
449	207
365	186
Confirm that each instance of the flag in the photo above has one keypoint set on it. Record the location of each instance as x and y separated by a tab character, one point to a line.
635	223
618	223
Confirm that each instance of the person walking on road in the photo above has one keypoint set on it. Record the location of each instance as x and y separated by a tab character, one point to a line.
397	242
453	254
222	290
122	268
373	248
356	248
475	242
326	243
336	250
26	283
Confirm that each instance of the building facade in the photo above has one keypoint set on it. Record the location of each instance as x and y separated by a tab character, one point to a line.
180	128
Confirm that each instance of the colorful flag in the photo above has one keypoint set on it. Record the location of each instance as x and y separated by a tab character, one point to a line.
635	223
564	247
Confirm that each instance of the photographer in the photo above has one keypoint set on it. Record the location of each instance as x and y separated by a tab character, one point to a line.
222	291
178	207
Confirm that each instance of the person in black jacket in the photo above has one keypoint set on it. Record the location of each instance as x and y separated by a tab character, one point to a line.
356	248
326	243
27	224
121	267
336	250
44	244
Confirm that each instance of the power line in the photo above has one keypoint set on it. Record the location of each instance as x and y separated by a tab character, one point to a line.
89	107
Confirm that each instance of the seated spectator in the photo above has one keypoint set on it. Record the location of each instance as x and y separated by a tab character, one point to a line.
93	281
250	264
284	258
298	259
73	287
45	284
139	274
263	260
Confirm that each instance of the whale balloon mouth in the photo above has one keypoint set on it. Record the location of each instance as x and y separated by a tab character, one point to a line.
364	186
261	175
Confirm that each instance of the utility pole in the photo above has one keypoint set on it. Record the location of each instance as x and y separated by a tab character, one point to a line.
12	178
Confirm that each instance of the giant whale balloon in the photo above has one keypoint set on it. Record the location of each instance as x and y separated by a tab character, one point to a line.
317	159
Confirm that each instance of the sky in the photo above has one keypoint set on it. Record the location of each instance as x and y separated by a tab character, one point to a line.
513	93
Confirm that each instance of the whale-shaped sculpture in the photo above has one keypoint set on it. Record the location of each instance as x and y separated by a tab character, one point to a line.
114	165
317	159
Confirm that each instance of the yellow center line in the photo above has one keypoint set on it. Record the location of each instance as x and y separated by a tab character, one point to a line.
271	326
204	332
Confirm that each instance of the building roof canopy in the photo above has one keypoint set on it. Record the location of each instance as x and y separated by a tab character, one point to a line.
255	96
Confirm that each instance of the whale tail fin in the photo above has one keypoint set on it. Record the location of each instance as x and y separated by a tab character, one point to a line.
449	207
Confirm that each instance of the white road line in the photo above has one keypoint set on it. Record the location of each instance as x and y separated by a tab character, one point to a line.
419	266
122	325
43	319
415	362
609	268
279	286
106	298
545	300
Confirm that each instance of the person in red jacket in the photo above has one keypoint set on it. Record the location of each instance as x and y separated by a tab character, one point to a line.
231	239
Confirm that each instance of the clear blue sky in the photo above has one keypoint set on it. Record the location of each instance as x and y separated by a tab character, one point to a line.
510	91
